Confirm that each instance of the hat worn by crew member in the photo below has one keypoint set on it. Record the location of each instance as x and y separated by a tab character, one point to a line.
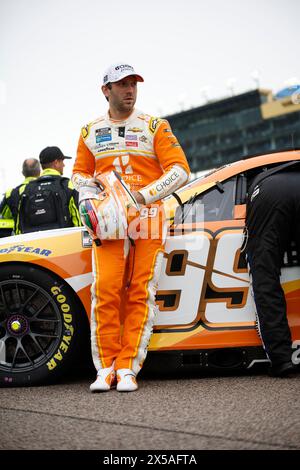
119	71
49	154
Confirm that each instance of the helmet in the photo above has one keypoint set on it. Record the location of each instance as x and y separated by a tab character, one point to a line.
107	208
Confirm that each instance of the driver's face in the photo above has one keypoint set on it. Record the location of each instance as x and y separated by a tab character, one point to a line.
122	94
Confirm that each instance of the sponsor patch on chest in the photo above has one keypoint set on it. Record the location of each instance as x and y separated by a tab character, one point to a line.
131	137
131	144
103	134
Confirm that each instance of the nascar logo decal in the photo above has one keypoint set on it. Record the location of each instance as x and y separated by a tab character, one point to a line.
103	134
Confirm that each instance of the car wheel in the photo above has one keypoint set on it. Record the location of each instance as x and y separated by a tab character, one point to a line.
42	326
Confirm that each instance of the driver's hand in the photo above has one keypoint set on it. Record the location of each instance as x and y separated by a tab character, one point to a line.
138	197
94	183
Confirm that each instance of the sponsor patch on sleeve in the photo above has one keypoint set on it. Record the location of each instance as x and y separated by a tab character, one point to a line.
153	124
85	130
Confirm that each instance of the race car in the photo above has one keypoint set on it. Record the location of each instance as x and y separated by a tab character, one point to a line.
205	318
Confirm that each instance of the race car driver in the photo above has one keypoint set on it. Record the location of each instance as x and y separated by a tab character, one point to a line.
148	157
273	222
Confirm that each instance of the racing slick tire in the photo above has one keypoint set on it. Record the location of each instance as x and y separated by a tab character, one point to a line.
43	326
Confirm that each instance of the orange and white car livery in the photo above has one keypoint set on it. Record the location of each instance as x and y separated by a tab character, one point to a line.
205	316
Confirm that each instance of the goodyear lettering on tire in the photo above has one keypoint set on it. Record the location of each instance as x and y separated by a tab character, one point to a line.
69	329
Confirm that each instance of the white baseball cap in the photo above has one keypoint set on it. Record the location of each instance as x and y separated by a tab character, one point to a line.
119	71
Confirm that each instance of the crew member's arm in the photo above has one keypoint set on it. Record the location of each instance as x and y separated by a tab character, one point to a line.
173	161
6	218
73	206
84	166
5	212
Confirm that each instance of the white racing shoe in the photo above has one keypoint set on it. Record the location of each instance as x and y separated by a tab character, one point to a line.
104	380
126	380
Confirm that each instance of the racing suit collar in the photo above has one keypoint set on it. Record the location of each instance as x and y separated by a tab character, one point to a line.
130	118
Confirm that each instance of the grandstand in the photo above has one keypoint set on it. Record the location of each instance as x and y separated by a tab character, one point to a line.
226	130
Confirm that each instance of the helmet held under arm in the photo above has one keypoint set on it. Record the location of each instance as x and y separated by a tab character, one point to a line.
107	207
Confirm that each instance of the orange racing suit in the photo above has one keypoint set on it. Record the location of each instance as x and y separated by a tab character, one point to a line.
141	149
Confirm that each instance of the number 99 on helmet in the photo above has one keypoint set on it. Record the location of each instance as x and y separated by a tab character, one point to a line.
107	209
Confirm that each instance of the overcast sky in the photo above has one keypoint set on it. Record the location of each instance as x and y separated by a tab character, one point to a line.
53	54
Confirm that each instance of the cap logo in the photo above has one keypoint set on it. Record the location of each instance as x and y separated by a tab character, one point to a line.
124	66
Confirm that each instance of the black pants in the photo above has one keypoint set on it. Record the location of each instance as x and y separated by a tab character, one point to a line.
273	220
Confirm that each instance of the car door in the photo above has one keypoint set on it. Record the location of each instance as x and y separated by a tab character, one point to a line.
204	277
